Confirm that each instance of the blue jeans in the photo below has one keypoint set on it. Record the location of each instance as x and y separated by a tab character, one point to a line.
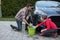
19	24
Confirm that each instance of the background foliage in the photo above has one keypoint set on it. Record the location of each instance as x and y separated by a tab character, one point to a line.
11	7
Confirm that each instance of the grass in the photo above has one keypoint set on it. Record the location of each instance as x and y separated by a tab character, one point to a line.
7	19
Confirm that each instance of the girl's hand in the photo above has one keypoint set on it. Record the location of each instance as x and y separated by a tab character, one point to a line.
35	26
43	30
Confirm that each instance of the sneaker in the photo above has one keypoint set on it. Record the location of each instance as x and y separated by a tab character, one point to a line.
41	34
13	27
18	30
26	29
54	35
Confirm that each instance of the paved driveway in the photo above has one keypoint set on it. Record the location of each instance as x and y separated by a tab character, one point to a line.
6	33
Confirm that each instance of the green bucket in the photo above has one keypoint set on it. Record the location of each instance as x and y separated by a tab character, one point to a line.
31	31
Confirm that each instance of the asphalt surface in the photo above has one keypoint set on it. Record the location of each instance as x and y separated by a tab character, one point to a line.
6	33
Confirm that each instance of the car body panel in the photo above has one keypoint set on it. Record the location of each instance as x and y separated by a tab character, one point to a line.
48	7
51	9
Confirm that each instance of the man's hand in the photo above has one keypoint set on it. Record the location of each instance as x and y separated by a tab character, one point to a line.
26	22
20	18
43	30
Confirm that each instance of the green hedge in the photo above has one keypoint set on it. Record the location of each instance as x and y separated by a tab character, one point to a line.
11	7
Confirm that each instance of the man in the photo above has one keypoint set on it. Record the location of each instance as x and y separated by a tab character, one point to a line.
22	15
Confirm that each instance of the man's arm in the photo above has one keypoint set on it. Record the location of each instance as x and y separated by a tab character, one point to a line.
26	22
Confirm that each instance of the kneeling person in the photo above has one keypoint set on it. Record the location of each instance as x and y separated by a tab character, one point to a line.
49	26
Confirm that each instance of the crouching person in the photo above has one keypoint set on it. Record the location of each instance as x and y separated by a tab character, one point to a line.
49	26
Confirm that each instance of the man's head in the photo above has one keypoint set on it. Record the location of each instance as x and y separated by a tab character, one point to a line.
43	17
29	6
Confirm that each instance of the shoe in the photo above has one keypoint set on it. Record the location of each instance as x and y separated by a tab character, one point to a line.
13	27
41	34
26	30
54	35
18	30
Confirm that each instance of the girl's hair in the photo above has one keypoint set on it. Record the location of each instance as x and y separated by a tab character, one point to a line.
44	16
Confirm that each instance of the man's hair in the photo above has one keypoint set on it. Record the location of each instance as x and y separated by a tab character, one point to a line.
44	16
29	4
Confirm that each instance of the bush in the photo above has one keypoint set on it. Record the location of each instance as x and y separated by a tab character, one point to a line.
11	7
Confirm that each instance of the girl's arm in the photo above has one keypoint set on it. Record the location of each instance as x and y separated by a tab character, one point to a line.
39	24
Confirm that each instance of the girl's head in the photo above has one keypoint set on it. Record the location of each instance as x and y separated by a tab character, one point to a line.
43	17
